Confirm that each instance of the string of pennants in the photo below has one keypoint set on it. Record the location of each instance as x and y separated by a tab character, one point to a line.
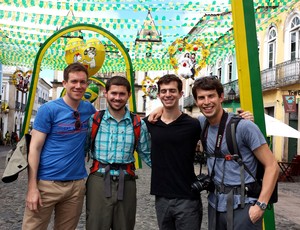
20	42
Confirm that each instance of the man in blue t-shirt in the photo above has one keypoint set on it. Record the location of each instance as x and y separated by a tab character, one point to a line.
56	167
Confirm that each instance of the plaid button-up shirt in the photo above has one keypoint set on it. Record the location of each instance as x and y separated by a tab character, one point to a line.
114	142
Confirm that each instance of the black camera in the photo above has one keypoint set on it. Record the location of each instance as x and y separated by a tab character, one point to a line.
203	183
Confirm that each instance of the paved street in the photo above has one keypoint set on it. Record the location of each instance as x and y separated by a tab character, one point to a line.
12	196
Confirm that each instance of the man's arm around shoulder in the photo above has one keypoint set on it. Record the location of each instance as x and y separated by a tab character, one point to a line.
144	145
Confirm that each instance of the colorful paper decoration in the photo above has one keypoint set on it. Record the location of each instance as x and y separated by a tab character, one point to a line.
21	40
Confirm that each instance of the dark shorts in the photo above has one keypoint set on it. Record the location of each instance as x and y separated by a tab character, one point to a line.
241	219
179	214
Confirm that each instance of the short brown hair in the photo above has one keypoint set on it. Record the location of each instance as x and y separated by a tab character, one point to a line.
166	79
117	80
75	67
207	83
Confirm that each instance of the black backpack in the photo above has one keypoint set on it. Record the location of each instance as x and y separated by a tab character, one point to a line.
233	149
236	155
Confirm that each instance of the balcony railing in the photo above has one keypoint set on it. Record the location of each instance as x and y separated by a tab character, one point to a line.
283	74
189	100
268	78
23	107
18	105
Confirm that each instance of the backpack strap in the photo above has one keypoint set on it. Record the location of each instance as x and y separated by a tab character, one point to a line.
203	135
136	121
95	126
231	135
232	143
234	150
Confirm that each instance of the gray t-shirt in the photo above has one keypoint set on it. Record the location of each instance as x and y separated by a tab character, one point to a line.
249	138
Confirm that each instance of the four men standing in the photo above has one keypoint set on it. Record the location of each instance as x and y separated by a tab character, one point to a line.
57	169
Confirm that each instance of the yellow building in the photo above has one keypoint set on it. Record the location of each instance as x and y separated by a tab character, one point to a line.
278	39
279	55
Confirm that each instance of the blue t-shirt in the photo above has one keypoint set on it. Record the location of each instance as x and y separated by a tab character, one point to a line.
62	156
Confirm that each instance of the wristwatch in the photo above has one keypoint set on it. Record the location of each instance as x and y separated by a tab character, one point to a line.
262	205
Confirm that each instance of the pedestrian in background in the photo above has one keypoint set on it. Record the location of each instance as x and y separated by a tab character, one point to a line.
7	138
56	159
14	139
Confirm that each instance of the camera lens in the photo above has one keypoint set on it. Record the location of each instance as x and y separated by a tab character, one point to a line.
197	186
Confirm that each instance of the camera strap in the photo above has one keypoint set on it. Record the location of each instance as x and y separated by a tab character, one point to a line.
219	139
217	152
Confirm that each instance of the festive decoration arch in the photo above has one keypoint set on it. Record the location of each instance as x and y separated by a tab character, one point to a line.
55	37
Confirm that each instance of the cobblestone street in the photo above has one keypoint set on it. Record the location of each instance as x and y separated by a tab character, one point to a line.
12	196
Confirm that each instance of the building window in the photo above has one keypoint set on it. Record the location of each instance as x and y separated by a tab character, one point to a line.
270	111
295	38
144	103
102	103
271	47
210	70
219	71
229	69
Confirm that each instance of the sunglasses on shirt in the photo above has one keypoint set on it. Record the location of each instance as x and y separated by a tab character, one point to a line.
77	122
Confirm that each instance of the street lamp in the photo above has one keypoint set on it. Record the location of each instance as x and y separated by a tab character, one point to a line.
231	94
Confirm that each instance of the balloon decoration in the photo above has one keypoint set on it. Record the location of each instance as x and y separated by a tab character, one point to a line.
21	80
149	87
91	93
91	54
184	57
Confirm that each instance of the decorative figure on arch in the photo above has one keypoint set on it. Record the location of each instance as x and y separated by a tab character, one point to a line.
193	69
153	90
21	80
77	58
26	80
184	66
91	54
149	87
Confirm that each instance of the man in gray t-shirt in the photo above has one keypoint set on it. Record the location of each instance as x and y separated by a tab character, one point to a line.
226	174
